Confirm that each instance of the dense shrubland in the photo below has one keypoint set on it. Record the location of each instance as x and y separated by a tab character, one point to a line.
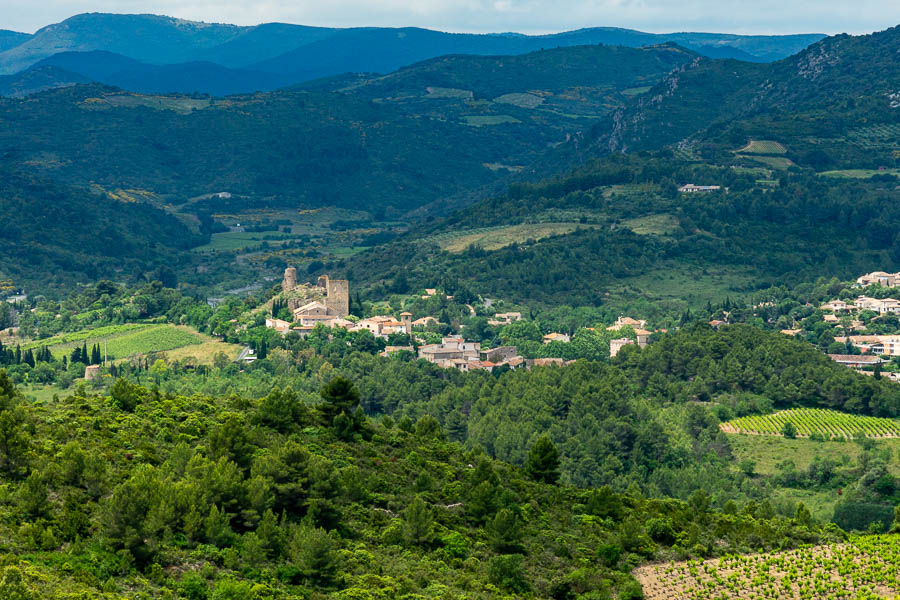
147	494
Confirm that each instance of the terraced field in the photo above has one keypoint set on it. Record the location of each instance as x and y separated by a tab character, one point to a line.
864	568
807	421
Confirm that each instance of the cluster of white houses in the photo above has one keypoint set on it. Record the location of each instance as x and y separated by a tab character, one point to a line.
880	305
333	308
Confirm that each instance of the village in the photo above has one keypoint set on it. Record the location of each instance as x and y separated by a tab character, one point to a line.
865	353
327	304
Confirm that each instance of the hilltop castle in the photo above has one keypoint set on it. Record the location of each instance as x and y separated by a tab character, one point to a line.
336	301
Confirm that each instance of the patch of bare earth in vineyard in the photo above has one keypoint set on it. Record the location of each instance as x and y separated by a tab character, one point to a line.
866	567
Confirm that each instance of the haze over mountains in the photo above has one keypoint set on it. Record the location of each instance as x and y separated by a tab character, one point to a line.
157	54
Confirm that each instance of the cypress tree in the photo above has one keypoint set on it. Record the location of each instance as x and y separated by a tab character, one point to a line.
85	357
76	355
28	359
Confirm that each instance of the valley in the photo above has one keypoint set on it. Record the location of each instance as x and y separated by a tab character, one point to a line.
367	313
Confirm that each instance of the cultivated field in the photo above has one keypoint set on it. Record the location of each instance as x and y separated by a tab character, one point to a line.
866	567
653	224
203	353
78	336
521	100
179	104
763	147
636	91
494	238
143	339
807	421
859	173
776	162
486	120
440	92
876	136
767	451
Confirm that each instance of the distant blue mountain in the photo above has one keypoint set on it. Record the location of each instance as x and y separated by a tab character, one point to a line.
382	50
11	39
38	79
132	75
319	52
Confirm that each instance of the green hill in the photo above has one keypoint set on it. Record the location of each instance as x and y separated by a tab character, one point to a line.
247	498
355	149
625	235
55	235
814	103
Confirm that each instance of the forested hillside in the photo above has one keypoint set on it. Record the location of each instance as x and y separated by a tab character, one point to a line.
195	497
55	235
818	104
357	149
630	227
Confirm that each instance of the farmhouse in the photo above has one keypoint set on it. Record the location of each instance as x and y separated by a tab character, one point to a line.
690	188
643	337
557	337
856	361
505	318
836	306
451	349
500	354
623	321
879	278
278	325
616	345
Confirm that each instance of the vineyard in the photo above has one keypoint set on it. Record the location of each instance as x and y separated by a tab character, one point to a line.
763	147
123	341
828	424
78	336
875	136
866	567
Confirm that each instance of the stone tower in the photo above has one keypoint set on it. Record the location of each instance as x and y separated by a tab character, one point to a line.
406	319
290	279
337	295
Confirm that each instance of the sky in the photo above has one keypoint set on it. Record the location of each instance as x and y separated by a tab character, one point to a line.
525	16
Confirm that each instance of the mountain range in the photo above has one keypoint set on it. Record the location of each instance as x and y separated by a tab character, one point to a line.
451	132
157	54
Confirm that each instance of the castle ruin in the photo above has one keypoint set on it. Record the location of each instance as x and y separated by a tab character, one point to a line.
290	279
337	295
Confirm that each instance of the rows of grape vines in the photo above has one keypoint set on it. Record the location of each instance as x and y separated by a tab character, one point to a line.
864	568
807	421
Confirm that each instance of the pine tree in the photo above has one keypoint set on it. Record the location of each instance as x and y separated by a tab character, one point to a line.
76	355
340	396
542	463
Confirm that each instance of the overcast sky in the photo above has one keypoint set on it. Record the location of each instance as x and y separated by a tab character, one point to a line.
527	16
